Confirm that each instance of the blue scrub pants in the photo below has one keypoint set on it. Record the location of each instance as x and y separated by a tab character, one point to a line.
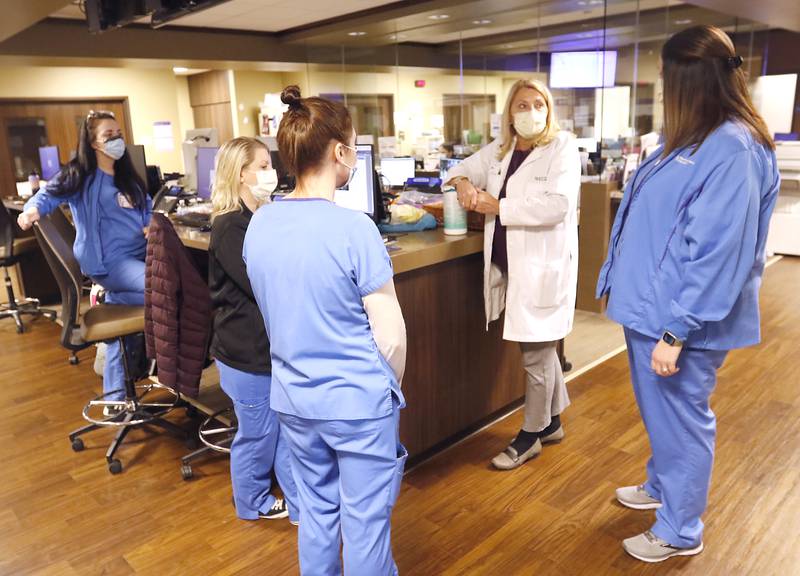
257	446
348	475
682	431
124	284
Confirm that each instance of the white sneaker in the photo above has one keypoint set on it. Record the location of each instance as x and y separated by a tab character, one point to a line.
648	547
636	497
278	510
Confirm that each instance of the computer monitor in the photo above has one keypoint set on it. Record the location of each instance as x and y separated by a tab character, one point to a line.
136	153
205	169
397	170
446	164
360	193
48	157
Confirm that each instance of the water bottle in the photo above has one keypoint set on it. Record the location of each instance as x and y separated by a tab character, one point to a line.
455	216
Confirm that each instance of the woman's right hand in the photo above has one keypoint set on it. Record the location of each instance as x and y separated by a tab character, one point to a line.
27	218
467	194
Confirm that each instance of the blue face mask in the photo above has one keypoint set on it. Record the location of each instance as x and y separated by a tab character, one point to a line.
114	148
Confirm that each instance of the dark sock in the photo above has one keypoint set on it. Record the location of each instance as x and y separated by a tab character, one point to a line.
524	440
555	424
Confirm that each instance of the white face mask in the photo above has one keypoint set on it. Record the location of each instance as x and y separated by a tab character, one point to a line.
351	168
266	182
530	123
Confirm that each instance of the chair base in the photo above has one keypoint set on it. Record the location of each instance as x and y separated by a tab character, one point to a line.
132	412
29	307
216	437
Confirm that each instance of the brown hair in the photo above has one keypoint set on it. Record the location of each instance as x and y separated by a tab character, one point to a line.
307	129
704	86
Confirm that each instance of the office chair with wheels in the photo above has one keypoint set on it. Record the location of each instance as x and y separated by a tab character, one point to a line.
140	407
11	251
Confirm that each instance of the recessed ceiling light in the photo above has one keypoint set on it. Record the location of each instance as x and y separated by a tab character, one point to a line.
582	2
481	22
356	33
180	69
397	37
508	45
595	2
683	22
438	16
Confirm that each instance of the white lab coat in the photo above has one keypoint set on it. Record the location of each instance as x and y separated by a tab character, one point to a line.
540	215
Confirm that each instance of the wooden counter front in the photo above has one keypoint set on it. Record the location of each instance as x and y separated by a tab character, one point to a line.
458	375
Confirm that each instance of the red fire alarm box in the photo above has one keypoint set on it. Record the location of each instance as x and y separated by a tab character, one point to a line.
419	83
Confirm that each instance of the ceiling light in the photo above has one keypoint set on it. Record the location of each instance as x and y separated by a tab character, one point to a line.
438	16
582	3
397	37
180	69
482	22
356	33
595	2
683	22
508	45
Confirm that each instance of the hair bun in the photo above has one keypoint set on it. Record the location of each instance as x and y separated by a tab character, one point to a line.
291	96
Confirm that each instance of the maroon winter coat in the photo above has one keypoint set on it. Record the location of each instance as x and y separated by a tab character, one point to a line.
177	309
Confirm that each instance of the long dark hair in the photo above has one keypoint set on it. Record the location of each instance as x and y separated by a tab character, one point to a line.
704	86
74	175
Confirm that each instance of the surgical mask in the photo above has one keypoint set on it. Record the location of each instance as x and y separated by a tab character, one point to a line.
352	169
266	182
530	123
114	148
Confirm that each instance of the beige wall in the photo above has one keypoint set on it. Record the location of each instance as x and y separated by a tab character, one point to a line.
249	90
153	95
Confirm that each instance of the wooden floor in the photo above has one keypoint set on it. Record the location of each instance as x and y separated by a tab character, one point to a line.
62	513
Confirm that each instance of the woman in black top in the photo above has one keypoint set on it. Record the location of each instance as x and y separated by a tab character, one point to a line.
244	180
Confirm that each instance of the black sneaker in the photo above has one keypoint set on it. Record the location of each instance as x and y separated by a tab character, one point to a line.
278	510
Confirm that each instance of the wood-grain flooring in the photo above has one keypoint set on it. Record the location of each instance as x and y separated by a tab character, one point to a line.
62	513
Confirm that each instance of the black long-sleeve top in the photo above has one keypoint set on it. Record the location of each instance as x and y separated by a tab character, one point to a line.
240	339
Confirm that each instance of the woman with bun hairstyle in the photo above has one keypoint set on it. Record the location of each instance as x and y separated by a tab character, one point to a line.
323	281
683	272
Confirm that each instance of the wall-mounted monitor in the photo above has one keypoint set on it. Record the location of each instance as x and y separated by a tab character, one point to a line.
583	69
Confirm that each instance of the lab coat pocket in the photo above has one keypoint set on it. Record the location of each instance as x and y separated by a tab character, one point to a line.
547	286
397	476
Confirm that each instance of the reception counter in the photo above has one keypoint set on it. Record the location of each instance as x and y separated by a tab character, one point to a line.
458	375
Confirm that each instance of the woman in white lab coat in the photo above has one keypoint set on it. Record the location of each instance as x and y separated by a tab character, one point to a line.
527	183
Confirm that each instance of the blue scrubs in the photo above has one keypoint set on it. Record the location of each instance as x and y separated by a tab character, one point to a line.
686	255
110	248
257	446
310	263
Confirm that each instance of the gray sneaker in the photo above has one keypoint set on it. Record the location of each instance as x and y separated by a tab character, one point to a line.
636	497
648	547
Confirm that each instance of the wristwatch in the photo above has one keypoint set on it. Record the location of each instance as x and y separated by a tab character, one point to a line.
671	339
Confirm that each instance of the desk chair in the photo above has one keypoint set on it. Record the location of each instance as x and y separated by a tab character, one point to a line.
11	251
101	323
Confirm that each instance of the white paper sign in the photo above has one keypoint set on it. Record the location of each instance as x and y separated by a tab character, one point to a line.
162	135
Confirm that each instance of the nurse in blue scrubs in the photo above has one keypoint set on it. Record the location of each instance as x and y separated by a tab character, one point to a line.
683	272
111	211
323	281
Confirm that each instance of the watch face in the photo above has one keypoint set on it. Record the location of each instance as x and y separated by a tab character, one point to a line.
669	338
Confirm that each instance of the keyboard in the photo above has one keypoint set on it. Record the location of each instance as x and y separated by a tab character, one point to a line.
194	220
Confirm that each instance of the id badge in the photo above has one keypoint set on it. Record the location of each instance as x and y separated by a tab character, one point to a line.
123	201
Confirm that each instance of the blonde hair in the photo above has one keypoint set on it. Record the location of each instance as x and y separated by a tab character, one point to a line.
234	156
507	130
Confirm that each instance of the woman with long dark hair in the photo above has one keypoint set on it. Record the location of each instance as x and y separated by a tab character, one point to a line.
111	212
683	272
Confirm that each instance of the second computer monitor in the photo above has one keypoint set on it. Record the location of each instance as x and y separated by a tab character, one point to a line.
397	170
205	168
359	194
48	157
445	165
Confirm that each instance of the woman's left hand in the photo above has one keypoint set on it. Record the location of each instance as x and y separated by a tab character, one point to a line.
146	231
665	359
487	204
